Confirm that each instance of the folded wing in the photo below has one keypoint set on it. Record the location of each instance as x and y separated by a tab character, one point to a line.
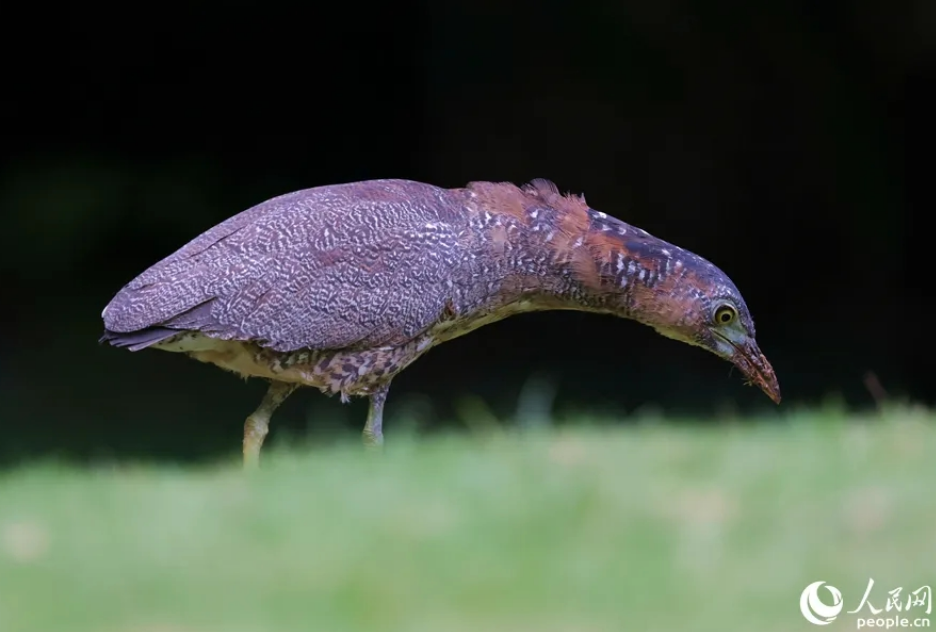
362	264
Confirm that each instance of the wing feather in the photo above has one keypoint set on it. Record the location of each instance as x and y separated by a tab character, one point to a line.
367	263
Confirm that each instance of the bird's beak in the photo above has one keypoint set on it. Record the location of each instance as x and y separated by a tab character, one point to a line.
747	356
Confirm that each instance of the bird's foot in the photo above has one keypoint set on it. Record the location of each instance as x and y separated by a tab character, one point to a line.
372	439
255	431
373	429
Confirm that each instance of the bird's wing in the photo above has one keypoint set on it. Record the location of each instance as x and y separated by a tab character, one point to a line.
363	264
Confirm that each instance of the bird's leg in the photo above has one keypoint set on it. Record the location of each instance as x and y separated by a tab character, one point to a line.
257	425
373	429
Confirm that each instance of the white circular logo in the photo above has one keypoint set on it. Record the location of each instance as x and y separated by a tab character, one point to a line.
812	607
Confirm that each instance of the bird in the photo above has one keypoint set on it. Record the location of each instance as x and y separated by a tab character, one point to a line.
342	286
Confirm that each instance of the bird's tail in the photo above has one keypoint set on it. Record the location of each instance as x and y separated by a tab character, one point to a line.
136	340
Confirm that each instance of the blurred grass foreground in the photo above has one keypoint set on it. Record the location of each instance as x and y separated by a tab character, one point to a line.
651	527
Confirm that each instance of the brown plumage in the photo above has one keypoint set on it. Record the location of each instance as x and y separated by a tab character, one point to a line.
341	287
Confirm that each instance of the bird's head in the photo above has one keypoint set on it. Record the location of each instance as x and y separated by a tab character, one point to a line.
683	296
718	320
687	298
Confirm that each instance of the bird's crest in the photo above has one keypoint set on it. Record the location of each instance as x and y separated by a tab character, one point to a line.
548	192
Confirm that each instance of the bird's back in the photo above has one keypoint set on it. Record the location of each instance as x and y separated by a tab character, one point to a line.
359	264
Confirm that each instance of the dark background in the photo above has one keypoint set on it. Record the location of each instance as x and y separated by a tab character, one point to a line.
785	141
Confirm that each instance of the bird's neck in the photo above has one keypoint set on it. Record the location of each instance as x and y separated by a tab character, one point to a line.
533	249
540	281
543	250
525	270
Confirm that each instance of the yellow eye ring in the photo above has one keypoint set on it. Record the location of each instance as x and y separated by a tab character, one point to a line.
725	315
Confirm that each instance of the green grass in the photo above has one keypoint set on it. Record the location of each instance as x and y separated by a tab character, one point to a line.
654	527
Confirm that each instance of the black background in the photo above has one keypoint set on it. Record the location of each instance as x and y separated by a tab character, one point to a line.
785	141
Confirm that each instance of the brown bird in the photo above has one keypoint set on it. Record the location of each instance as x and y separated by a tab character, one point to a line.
341	287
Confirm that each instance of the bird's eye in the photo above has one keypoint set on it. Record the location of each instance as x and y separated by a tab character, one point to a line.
725	315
